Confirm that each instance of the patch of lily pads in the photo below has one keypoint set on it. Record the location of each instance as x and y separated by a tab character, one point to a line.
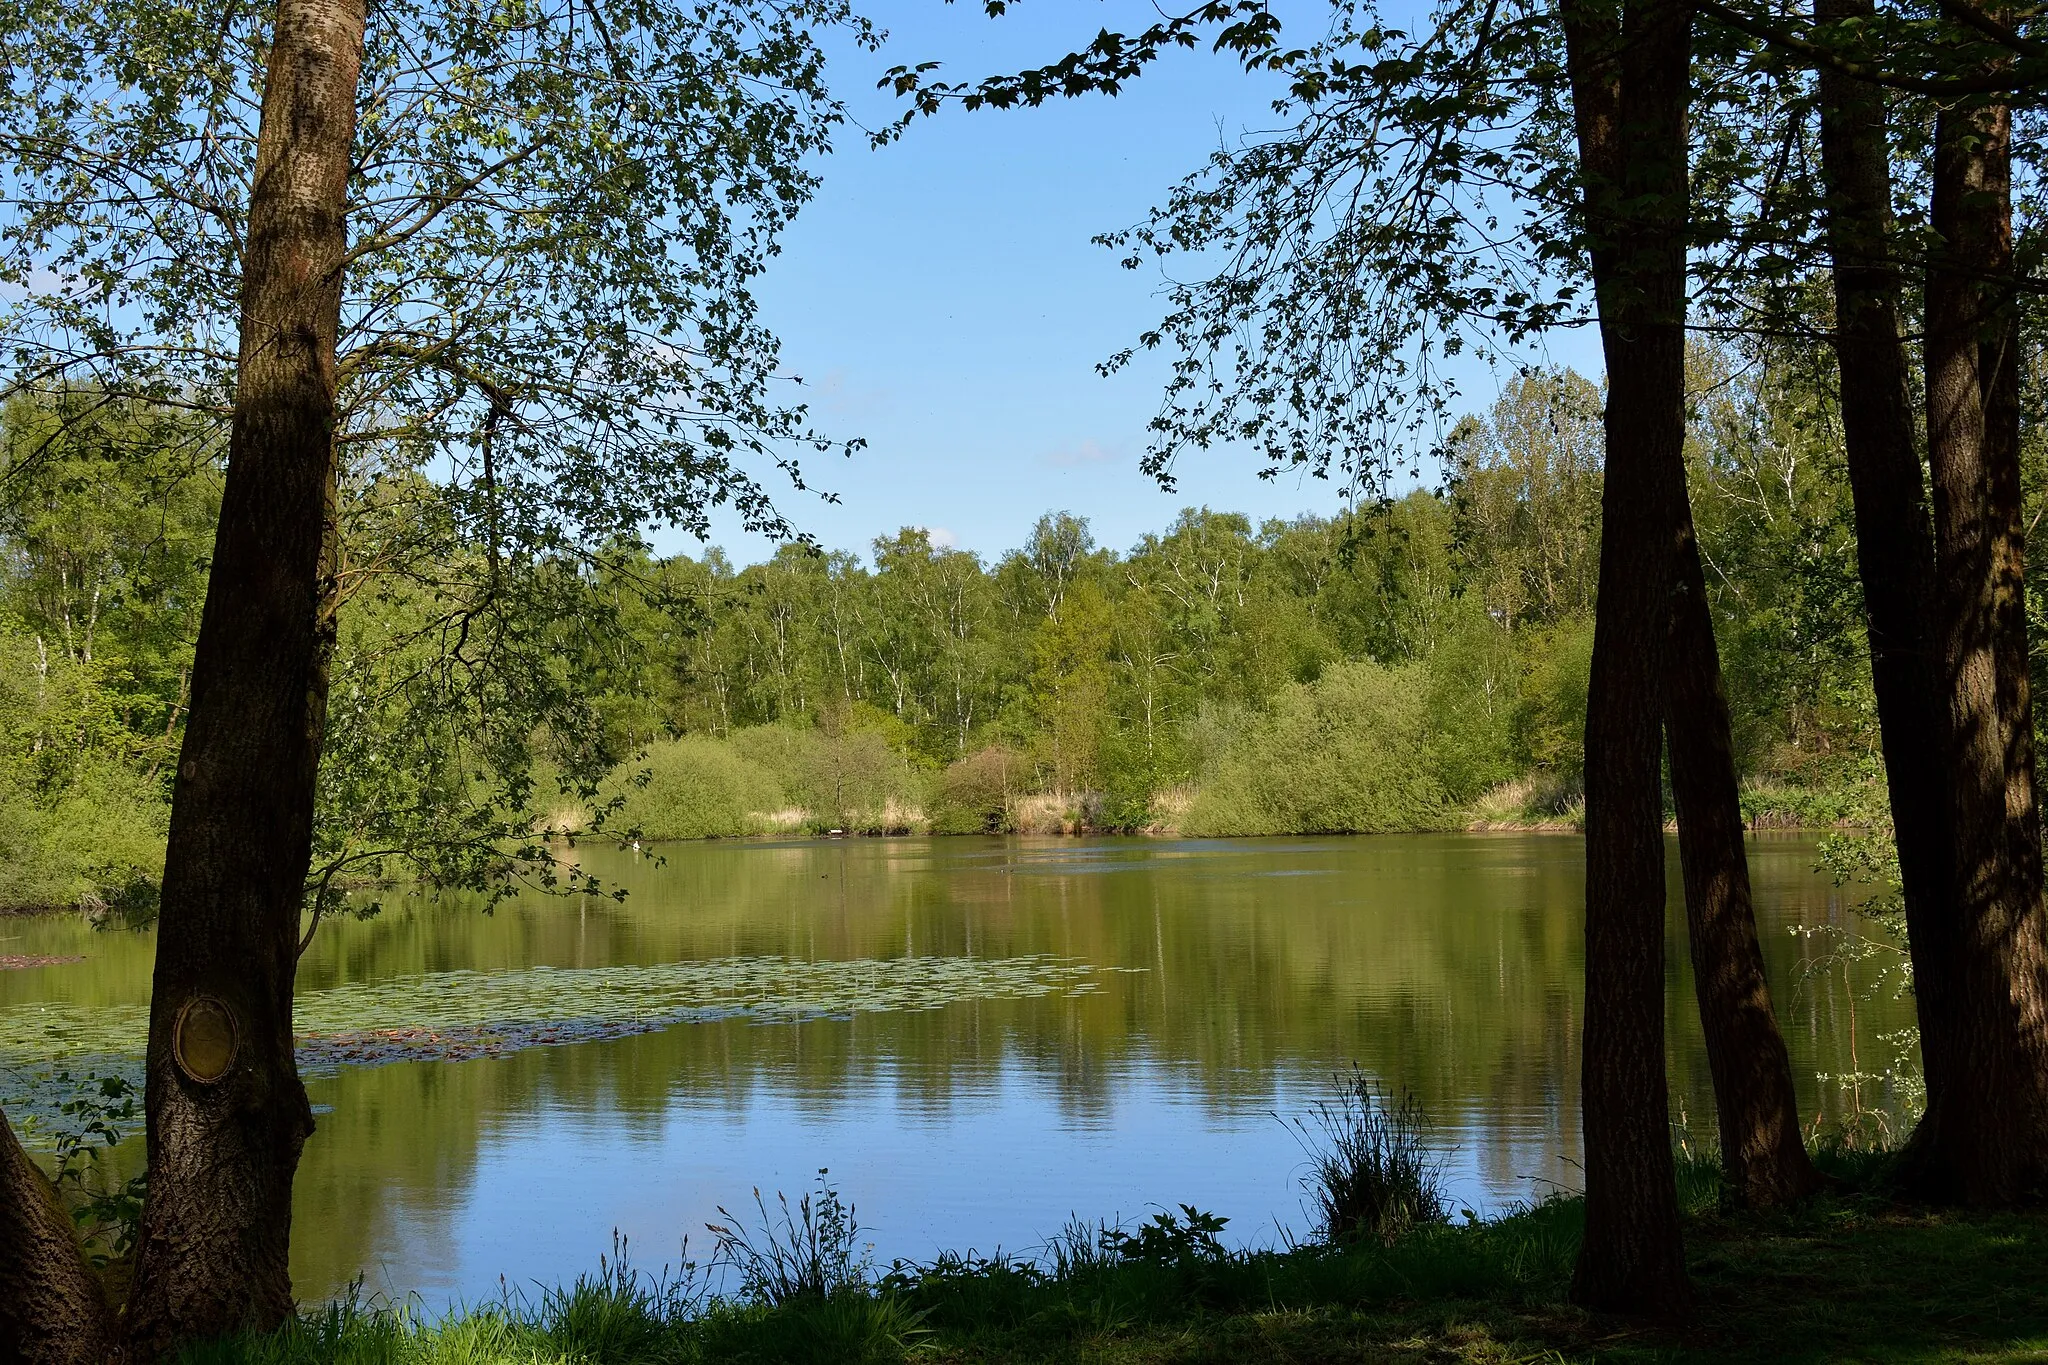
445	1016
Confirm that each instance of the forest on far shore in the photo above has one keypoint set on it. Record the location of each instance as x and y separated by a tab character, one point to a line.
1419	663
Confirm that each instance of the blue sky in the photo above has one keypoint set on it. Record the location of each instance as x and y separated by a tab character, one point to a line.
941	297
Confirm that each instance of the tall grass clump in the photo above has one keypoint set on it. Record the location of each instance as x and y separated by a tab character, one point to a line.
618	1314
1540	799
1348	753
806	1289
695	787
814	1253
1371	1175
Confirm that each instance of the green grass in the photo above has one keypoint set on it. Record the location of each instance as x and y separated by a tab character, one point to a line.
1848	1277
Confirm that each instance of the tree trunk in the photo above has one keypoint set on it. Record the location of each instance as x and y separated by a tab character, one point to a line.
1984	1139
1763	1156
1629	92
1894	539
226	1113
52	1309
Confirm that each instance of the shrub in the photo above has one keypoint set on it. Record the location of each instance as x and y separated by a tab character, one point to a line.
100	844
695	787
1472	703
851	781
1550	720
1186	1238
973	795
1350	752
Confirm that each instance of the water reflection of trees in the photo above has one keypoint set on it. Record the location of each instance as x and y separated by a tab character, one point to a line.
1446	966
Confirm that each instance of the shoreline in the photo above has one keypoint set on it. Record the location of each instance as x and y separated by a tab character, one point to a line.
1852	1274
1759	825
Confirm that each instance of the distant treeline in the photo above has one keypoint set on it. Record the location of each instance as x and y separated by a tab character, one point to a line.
1420	662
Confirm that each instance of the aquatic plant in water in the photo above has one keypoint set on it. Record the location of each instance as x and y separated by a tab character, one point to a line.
456	1014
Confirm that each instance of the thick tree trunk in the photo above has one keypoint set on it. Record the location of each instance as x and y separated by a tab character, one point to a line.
226	1113
1629	92
1763	1156
52	1308
1984	1139
1894	538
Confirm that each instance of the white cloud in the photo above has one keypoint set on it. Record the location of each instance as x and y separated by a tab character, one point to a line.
940	537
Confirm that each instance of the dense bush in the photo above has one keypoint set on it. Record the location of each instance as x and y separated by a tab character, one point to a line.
852	780
695	787
99	842
973	795
1473	694
1349	752
1550	718
82	816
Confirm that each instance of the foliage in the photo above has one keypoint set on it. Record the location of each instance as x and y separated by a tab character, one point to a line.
1527	481
1211	655
549	342
1550	720
921	687
99	1112
1774	516
849	780
1348	752
1371	1175
972	796
696	788
104	530
1176	1239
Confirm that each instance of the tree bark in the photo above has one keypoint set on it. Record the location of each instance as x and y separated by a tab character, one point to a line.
1894	538
1763	1155
52	1308
1629	91
1984	1138
213	1251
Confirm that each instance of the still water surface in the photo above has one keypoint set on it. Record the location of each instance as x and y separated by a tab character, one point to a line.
977	1037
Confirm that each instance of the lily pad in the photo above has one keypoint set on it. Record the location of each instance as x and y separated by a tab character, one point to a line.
471	1013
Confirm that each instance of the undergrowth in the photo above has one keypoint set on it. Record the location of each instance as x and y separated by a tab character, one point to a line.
1088	1284
1849	1275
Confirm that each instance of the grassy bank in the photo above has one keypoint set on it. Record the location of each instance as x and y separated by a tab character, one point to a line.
1850	1276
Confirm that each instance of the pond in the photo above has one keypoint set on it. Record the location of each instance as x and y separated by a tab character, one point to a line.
977	1037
